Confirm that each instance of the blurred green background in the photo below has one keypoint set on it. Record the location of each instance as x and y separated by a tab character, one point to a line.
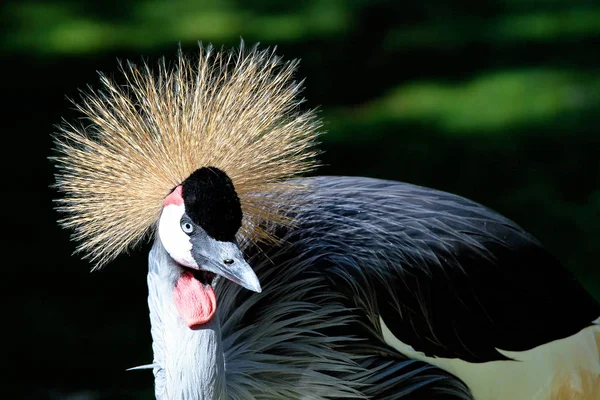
498	101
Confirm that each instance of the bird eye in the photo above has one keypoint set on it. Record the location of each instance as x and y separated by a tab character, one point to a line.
187	226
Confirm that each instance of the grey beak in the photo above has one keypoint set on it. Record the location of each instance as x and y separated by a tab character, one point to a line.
225	259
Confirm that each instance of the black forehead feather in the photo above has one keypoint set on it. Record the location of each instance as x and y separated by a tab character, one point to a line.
211	202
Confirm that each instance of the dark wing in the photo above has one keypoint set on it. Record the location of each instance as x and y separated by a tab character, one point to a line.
449	277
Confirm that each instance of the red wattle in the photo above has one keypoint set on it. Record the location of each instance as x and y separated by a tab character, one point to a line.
195	302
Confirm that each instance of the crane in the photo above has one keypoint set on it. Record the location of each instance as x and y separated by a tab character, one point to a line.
266	282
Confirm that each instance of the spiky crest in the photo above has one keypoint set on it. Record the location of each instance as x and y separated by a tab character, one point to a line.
237	110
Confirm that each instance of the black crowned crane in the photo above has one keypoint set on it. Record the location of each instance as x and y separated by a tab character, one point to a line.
264	284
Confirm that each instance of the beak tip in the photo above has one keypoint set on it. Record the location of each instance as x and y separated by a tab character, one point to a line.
255	287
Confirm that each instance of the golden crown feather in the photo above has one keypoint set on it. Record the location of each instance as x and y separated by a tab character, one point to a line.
237	110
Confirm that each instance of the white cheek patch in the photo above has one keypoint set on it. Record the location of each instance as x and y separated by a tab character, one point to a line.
175	241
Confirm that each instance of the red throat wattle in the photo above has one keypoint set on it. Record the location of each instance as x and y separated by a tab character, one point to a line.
195	302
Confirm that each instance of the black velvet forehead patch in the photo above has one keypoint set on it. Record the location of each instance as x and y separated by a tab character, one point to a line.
211	201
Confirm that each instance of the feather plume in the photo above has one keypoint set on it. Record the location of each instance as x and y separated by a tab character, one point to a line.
237	110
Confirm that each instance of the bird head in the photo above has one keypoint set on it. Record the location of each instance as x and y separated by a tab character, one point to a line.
197	227
198	155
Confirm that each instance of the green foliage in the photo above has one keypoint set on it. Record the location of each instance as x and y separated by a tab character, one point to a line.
495	102
71	27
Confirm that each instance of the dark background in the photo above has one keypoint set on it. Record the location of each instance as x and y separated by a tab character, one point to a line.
498	101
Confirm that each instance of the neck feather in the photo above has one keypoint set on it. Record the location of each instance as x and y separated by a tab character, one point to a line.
188	363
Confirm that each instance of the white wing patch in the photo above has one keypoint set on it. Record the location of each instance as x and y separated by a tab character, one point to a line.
529	377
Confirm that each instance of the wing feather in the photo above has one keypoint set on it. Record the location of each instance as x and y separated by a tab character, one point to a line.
450	277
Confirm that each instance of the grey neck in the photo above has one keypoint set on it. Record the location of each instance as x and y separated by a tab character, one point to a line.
189	364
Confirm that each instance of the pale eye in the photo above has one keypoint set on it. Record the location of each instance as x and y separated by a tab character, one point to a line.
187	227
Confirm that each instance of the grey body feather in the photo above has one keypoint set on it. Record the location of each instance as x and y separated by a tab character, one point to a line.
435	266
188	363
297	339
